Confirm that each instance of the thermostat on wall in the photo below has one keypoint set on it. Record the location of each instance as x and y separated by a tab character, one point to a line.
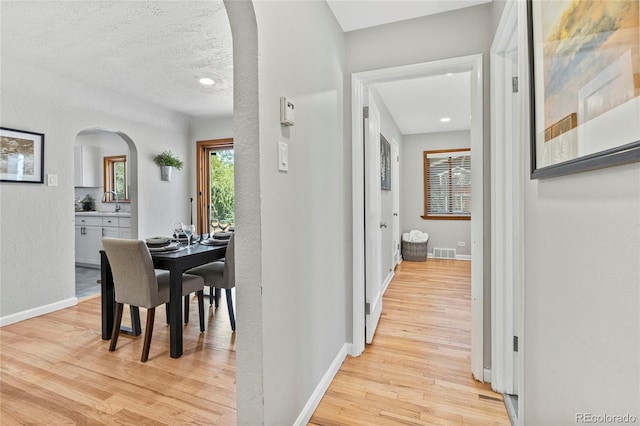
287	111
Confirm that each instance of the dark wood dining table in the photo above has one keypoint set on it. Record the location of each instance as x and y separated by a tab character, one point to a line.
176	263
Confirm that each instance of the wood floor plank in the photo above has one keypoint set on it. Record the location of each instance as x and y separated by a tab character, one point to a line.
55	369
417	371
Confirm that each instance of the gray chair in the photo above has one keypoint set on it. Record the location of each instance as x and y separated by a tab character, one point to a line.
220	275
137	283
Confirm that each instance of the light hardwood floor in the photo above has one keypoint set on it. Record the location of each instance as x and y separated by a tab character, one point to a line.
55	369
417	371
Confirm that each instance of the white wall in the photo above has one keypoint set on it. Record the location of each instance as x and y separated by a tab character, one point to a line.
35	100
304	234
206	128
442	233
581	344
445	35
582	295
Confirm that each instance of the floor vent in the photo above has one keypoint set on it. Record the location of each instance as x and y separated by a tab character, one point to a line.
444	253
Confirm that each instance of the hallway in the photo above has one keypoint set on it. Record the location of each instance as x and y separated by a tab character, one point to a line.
417	371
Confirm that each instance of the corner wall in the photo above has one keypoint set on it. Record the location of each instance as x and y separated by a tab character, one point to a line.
304	237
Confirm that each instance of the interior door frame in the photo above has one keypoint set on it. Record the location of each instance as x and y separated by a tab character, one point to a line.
359	83
203	175
395	211
507	287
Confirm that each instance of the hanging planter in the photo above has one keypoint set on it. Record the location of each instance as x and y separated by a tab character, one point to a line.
165	173
167	162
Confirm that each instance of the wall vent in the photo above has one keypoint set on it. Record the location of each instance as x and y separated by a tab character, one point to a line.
444	253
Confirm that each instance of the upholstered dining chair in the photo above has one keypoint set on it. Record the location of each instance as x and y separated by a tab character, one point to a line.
137	283
220	275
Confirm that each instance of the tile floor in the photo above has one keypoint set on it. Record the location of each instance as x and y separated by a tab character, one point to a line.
86	282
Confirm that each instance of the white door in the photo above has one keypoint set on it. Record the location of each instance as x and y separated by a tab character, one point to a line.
373	236
395	190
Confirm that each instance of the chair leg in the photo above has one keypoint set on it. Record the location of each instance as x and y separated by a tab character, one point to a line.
211	295
217	297
200	295
116	327
186	309
166	310
232	317
148	332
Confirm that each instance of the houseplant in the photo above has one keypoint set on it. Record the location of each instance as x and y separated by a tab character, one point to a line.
167	161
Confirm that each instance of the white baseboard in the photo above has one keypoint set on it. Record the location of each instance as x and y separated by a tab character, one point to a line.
318	393
350	350
486	375
36	312
387	282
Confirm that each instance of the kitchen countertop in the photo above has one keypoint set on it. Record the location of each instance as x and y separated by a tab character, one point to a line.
103	214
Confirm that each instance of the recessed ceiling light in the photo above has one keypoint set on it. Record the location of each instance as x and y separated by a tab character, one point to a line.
445	119
207	81
449	73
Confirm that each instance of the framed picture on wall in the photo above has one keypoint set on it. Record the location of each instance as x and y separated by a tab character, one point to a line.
21	156
385	164
584	58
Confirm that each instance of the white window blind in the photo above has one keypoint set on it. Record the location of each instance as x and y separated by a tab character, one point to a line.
447	180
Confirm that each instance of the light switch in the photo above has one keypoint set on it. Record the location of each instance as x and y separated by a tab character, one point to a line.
283	157
52	180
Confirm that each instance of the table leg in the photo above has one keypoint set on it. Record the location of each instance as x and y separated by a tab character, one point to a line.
175	313
108	298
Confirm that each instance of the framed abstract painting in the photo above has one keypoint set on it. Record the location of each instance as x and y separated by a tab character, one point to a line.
584	58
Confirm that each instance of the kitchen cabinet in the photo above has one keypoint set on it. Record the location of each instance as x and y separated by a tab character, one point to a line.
88	239
87	166
90	229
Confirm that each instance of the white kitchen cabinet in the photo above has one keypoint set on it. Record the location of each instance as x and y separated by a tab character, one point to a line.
90	229
88	239
87	166
124	227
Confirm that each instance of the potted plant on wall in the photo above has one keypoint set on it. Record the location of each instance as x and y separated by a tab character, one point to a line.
167	161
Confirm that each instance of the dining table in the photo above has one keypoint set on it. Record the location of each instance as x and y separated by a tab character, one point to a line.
176	262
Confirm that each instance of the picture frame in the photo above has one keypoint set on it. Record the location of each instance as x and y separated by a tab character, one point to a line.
21	156
385	164
584	85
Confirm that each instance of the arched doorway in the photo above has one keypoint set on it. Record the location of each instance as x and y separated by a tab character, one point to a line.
105	186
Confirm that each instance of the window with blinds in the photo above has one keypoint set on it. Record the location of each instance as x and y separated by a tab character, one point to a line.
447	184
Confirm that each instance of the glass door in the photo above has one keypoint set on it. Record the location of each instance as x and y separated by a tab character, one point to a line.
216	197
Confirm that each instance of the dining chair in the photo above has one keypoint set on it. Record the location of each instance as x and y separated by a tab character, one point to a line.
137	283
220	275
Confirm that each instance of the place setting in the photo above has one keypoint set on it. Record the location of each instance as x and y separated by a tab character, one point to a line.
163	245
216	239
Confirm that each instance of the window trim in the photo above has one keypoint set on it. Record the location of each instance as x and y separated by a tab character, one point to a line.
426	215
203	178
109	176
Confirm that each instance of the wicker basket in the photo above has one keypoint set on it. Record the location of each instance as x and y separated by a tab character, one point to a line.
414	252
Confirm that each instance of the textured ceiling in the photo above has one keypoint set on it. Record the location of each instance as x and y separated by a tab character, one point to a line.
153	50
417	105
